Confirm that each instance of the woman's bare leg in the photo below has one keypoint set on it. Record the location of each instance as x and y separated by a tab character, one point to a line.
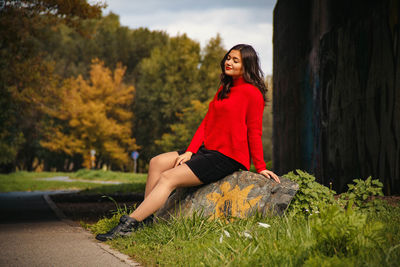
180	176
158	165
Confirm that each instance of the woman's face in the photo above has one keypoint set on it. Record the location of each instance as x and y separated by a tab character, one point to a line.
233	64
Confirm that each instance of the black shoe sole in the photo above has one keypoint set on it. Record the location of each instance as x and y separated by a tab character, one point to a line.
100	238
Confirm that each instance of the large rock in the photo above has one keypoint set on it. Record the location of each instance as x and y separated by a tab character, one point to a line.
237	195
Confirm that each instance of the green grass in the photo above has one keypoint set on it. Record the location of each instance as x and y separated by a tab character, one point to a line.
290	241
32	181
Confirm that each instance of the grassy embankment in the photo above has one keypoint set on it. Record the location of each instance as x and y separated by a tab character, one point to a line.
33	181
317	230
331	238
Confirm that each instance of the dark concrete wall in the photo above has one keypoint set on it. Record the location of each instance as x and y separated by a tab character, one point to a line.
337	90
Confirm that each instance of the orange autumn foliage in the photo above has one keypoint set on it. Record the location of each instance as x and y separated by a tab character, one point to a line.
94	114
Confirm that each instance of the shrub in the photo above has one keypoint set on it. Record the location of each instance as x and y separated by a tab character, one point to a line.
361	192
310	195
344	232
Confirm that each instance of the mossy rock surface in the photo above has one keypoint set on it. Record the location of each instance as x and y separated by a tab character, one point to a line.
240	194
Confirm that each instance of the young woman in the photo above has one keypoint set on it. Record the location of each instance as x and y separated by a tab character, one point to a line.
228	135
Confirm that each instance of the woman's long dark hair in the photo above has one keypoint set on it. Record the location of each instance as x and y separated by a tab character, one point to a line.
252	72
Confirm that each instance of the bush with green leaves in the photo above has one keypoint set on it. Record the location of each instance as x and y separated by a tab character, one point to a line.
361	192
344	232
310	195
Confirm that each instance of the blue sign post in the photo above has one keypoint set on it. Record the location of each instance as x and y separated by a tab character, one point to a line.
135	156
92	158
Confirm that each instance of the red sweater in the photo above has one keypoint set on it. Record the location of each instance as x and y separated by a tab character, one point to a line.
233	126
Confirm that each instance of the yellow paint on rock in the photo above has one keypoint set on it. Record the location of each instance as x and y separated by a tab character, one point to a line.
232	203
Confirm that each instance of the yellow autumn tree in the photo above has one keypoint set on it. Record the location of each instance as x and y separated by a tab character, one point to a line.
94	115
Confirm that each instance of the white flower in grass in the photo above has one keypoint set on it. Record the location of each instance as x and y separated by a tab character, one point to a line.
221	238
227	233
247	234
316	211
265	225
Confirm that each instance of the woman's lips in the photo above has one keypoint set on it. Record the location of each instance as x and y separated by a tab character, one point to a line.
228	68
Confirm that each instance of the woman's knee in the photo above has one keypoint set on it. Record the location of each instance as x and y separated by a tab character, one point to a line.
163	161
154	161
166	180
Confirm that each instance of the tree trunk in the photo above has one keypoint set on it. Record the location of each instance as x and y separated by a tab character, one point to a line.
337	91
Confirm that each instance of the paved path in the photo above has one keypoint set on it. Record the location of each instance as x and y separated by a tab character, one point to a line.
32	235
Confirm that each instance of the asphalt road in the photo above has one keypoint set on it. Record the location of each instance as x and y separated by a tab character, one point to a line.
32	235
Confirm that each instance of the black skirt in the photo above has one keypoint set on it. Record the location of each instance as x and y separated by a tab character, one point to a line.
210	165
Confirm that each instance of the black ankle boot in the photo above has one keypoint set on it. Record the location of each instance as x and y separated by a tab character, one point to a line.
124	228
148	221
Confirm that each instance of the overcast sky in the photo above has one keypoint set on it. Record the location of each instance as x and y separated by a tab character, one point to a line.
237	21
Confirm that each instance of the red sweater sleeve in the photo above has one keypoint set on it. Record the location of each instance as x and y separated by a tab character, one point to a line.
254	129
198	138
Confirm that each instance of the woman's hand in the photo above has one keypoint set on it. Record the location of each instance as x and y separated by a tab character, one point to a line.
183	158
270	175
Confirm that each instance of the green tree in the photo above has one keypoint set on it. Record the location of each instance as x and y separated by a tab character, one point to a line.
210	70
106	39
168	81
181	133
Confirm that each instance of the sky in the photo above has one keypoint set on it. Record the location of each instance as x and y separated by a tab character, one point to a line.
237	21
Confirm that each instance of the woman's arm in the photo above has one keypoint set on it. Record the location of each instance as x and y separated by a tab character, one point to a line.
196	142
198	138
254	116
